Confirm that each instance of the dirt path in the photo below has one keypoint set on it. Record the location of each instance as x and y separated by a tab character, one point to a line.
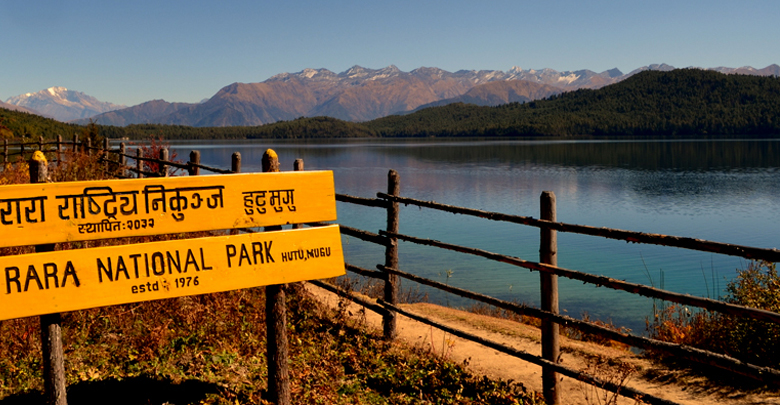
578	355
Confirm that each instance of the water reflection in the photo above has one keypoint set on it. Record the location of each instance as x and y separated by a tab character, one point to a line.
721	190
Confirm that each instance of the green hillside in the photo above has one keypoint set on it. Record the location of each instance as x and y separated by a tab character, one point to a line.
301	128
18	125
680	102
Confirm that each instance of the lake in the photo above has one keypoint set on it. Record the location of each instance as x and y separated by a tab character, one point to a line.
720	190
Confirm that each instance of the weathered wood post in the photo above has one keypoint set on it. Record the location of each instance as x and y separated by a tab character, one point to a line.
21	146
139	164
235	167
296	288
194	170
88	146
104	153
59	150
75	143
391	256
298	167
51	329
123	158
235	162
162	168
548	254
276	321
40	143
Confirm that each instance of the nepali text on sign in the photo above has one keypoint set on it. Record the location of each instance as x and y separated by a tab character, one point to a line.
56	212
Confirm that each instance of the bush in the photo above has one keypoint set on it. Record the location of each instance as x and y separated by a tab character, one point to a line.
747	339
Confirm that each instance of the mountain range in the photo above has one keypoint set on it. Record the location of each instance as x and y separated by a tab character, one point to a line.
357	94
62	104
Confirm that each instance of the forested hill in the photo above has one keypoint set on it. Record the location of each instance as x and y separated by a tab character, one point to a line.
679	102
18	124
684	102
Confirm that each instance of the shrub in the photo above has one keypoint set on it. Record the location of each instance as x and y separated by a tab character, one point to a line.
757	342
151	149
747	339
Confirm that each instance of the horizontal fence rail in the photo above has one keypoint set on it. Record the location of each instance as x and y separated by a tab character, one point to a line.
368	202
602	281
770	255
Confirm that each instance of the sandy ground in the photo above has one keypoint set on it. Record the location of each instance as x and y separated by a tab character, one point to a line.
650	378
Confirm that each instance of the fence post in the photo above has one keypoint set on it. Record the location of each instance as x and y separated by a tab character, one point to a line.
59	150
5	151
391	256
51	329
235	162
75	143
21	146
40	143
162	168
276	321
88	147
235	167
548	254
298	167
194	158
123	158
139	164
105	154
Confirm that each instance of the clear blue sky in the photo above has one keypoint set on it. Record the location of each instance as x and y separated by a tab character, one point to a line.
128	52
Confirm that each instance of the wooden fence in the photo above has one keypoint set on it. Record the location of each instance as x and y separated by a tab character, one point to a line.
549	271
389	273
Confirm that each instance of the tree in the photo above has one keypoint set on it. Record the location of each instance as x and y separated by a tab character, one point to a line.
5	132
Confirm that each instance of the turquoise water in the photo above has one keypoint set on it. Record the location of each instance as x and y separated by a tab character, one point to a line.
720	190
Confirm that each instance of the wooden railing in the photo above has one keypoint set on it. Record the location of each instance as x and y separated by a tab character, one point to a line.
389	273
548	269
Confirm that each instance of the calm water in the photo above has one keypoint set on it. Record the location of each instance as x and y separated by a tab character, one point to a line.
725	191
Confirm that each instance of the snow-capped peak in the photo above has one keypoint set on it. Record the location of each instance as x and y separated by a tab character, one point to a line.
63	104
309	73
56	91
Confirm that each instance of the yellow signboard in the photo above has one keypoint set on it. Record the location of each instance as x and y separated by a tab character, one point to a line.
57	212
60	281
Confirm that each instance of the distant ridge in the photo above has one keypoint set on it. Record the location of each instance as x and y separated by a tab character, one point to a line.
139	114
362	94
18	108
497	93
357	94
